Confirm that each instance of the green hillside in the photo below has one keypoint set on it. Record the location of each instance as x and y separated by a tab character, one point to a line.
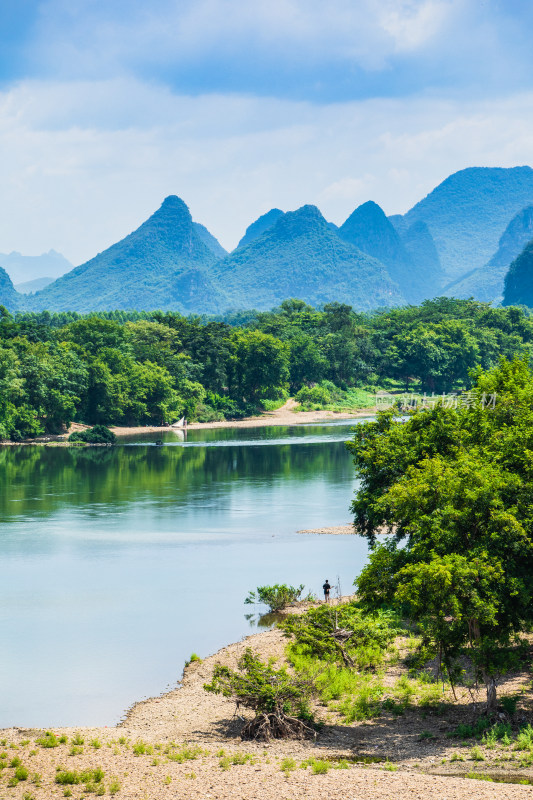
486	283
369	229
300	256
208	239
468	212
518	286
163	264
9	297
261	224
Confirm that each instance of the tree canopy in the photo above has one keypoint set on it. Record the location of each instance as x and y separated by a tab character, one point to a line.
454	489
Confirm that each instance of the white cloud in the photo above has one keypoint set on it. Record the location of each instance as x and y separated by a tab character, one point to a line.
73	37
84	163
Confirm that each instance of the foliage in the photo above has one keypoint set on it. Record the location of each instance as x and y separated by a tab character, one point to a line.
278	699
276	597
454	486
343	634
98	434
136	368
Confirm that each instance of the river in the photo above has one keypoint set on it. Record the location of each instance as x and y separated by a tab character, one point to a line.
119	562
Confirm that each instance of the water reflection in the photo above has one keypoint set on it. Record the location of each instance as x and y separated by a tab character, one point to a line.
119	562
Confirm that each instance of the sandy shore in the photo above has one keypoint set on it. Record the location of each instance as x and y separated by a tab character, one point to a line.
286	415
186	744
335	530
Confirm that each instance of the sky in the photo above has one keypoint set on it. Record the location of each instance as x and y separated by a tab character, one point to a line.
237	106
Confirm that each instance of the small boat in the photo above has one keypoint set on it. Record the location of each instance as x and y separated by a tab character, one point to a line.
181	423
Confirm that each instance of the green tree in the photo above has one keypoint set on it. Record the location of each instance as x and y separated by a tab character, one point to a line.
455	488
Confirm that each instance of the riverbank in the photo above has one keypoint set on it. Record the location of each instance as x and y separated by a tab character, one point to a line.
286	415
186	743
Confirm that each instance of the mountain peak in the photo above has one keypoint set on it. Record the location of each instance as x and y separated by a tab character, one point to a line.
467	213
261	224
174	205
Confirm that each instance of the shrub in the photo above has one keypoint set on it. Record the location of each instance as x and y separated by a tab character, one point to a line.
524	740
314	395
98	434
276	597
71	777
287	765
48	740
343	634
21	773
279	700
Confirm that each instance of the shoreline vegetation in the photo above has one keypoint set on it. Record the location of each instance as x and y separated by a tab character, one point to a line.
186	742
140	369
288	414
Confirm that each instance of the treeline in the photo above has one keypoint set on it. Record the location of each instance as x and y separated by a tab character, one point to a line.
151	367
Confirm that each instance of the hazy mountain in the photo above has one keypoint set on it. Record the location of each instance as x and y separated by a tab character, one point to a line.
261	224
162	264
418	273
486	283
300	256
468	212
420	247
27	268
8	296
33	286
208	239
518	285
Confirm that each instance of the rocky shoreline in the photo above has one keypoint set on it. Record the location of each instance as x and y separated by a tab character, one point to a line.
186	743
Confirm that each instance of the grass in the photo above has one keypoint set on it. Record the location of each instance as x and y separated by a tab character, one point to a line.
478	776
87	776
193	657
49	739
287	765
21	773
524	740
140	748
366	705
476	754
187	753
319	767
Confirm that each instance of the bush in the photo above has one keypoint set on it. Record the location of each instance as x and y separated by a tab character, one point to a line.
276	597
314	395
98	434
343	634
278	699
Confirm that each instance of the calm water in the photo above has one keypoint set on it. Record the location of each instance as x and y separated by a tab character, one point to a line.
118	563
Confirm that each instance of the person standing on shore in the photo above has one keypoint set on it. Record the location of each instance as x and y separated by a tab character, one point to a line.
326	588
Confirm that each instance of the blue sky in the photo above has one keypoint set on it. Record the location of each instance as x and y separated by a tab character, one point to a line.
241	105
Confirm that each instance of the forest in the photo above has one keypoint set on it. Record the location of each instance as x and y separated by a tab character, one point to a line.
135	368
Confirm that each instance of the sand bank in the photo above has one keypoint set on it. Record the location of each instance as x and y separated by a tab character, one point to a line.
186	744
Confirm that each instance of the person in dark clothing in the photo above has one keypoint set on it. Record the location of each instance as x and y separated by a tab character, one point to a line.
326	588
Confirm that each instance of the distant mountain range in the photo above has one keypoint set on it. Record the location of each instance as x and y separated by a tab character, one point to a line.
459	241
486	283
468	212
300	256
25	268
